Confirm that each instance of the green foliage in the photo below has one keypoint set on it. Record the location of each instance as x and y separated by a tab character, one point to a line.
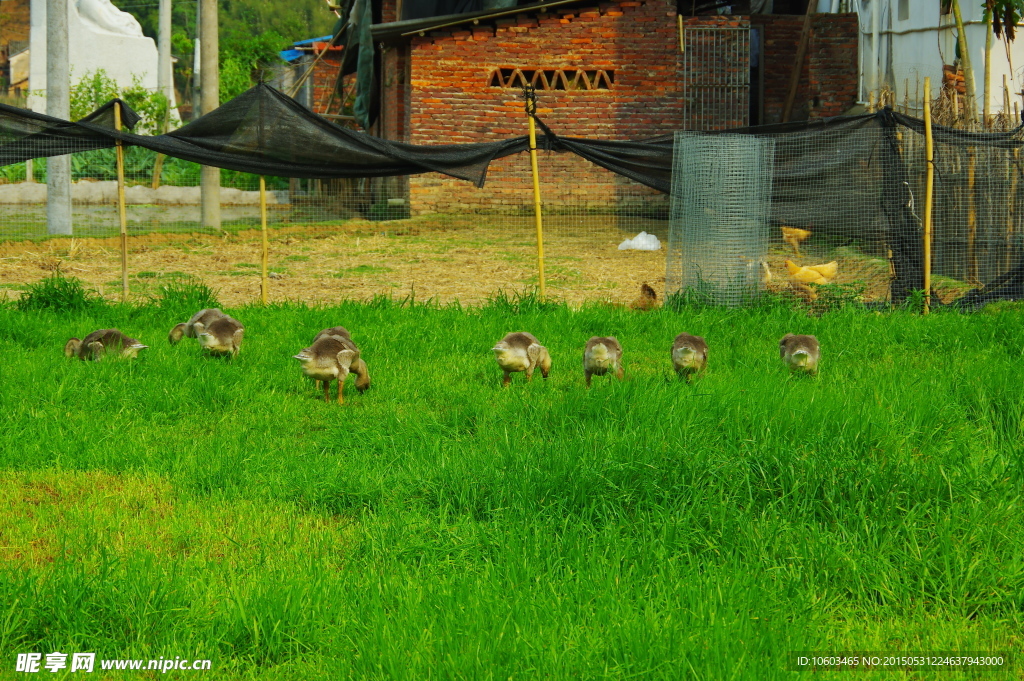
246	59
1006	14
60	294
839	296
251	34
382	210
96	88
185	295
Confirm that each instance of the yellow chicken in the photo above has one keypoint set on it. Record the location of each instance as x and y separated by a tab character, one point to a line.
793	236
812	274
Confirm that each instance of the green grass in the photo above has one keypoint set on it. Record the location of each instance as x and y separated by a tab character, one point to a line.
361	270
439	526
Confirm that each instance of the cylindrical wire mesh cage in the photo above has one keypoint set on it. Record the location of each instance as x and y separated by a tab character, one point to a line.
721	204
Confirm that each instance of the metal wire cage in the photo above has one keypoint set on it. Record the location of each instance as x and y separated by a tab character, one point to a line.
719	217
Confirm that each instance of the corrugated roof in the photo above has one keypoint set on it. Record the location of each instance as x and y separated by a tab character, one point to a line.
404	29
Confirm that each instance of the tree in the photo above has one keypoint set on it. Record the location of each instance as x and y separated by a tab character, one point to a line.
1005	16
252	32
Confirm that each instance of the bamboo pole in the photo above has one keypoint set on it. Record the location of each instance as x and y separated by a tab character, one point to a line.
986	105
531	109
971	97
972	217
121	212
1006	103
1011	206
682	43
928	190
266	243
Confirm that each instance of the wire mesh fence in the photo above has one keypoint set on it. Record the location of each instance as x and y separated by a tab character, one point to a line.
428	236
843	215
846	211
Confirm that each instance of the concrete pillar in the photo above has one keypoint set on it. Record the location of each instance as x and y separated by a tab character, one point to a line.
164	80
58	104
210	177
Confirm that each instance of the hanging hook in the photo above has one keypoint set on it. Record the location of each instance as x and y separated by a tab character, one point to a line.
530	97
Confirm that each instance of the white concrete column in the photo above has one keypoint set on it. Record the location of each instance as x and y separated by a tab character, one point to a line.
58	104
165	81
210	177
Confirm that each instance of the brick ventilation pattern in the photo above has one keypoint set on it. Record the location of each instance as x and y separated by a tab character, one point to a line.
553	79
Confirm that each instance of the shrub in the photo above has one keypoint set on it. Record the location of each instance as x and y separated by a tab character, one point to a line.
60	294
185	294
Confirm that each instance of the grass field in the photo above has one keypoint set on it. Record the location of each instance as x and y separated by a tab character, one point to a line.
441	527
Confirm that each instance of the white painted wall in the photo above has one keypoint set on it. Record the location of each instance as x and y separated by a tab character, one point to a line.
101	37
914	41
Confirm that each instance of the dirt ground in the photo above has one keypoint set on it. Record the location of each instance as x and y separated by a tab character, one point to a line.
356	260
469	260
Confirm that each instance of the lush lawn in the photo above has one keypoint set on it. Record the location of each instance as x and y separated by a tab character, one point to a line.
439	526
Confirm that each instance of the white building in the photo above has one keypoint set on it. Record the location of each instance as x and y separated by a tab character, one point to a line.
904	41
100	37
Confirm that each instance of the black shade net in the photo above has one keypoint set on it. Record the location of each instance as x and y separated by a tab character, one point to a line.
853	181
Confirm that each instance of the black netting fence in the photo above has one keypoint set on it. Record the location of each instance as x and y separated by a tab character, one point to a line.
846	212
353	215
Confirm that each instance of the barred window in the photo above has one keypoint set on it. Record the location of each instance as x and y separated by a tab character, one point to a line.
553	79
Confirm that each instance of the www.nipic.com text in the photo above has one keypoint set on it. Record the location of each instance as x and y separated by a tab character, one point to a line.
86	662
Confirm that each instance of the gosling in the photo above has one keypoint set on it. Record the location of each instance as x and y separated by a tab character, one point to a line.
218	334
98	343
800	353
521	351
358	367
689	355
603	354
331	357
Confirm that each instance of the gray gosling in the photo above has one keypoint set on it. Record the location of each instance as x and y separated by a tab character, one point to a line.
603	354
217	333
99	343
521	351
689	355
800	353
331	357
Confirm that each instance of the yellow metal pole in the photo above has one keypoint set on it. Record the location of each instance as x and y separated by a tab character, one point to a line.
122	214
266	245
928	189
531	109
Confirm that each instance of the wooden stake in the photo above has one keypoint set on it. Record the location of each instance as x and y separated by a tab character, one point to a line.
1011	206
971	96
798	64
531	109
928	189
121	211
1006	102
986	106
972	218
266	244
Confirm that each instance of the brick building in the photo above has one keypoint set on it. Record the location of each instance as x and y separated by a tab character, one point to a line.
618	69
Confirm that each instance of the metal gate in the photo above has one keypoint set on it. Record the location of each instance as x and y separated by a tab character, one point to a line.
716	76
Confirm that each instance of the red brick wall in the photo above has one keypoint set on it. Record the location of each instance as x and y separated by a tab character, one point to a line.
828	79
324	77
781	35
832	64
451	99
437	90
